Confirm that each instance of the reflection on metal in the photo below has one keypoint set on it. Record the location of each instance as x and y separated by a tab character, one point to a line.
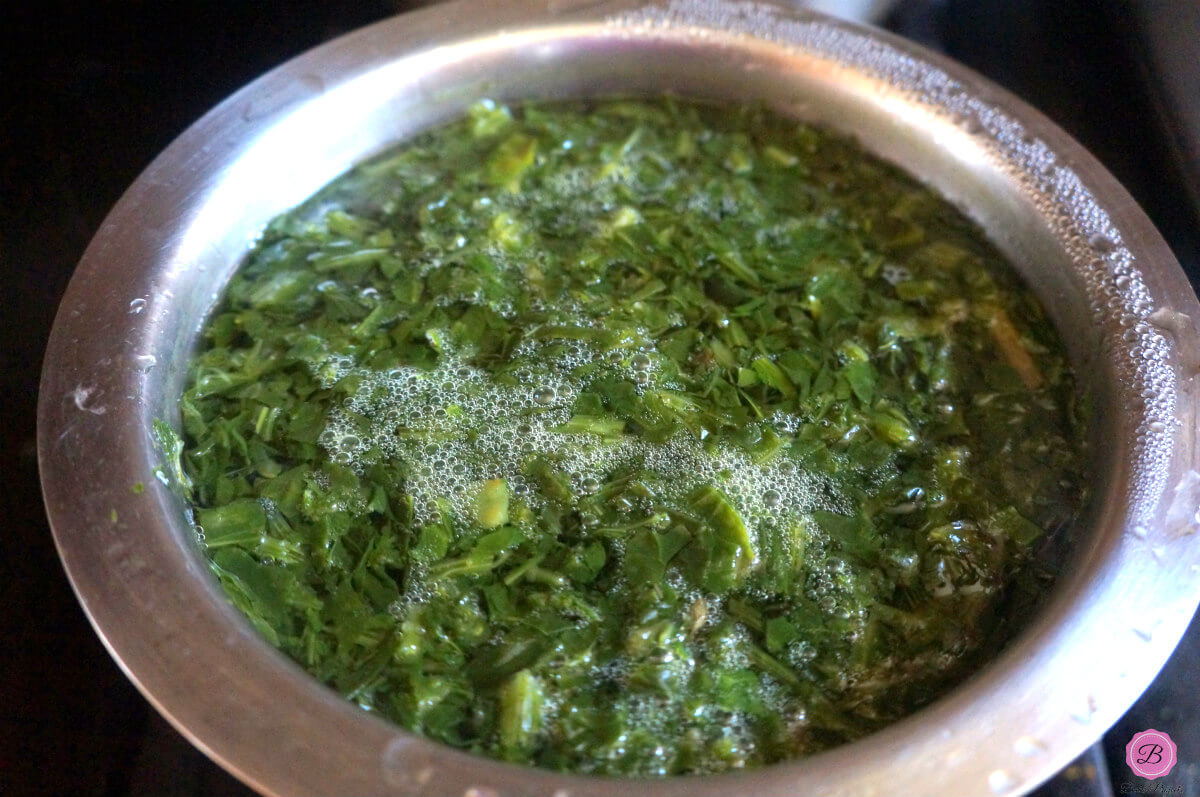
870	11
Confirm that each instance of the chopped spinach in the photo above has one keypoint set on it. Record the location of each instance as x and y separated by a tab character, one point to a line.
630	438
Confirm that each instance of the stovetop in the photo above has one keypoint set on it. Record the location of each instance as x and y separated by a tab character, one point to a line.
90	95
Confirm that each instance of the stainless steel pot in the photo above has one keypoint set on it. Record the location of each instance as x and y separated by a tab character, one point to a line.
131	315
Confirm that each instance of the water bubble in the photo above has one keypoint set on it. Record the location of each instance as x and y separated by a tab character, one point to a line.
544	395
894	274
771	498
137	306
639	362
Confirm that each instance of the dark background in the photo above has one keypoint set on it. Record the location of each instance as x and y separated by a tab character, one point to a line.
89	95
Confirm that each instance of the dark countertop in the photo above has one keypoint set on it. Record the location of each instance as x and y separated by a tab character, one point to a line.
91	96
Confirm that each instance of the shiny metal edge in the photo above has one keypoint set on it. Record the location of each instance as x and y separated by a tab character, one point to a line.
132	311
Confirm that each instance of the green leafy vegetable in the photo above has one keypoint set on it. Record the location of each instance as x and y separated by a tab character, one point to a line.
630	438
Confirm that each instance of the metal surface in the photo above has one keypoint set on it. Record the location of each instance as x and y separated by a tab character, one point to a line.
131	315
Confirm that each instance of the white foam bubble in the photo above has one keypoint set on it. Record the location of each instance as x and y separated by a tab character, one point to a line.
457	425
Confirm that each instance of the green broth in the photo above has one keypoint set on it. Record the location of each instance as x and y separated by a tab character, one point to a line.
631	438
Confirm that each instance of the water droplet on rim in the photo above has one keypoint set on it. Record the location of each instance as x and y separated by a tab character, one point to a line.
1102	244
1001	780
1083	714
1144	631
1028	746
